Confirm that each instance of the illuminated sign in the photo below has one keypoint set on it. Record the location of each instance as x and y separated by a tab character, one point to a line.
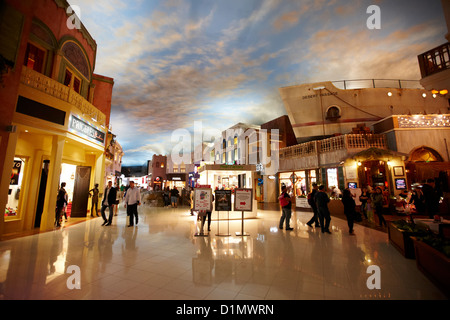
424	121
86	130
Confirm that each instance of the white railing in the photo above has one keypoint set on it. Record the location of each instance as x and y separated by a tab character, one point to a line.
343	142
55	89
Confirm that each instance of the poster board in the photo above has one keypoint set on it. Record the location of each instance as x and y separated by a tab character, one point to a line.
243	200
223	200
202	199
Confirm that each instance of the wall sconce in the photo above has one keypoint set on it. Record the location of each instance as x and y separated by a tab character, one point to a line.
389	163
359	164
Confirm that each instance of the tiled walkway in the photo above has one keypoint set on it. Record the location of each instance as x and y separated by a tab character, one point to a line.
162	259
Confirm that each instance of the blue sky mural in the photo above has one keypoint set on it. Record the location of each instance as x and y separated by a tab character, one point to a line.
222	62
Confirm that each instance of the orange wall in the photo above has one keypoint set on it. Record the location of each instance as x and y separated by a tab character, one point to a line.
102	94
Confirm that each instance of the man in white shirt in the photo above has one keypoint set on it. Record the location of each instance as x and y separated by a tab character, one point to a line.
131	201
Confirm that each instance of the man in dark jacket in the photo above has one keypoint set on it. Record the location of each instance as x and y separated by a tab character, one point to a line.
61	201
322	200
312	203
109	199
431	198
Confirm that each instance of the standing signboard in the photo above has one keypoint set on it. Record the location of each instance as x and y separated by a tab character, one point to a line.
223	200
243	201
202	199
223	203
202	204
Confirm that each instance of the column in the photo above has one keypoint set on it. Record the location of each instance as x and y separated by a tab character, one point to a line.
48	214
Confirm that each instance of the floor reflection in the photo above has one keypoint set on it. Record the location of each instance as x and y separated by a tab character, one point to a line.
161	258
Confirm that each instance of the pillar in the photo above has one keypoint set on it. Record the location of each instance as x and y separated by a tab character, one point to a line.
48	214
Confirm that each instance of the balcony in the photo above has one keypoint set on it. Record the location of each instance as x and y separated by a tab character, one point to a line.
57	90
329	151
435	69
435	60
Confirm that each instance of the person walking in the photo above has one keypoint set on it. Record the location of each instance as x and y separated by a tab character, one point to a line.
109	199
322	200
313	205
286	208
349	209
174	193
131	201
61	201
377	202
364	198
94	196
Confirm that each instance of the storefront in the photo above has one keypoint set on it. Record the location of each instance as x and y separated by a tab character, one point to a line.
229	177
299	182
376	168
45	155
176	180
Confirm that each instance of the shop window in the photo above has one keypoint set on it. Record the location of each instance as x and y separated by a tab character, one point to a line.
15	185
34	58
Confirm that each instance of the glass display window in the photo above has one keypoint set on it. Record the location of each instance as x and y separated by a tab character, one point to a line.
15	185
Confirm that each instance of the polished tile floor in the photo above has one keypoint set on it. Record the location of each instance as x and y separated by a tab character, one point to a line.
162	259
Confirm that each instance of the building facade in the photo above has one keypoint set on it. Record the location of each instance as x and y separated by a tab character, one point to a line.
55	114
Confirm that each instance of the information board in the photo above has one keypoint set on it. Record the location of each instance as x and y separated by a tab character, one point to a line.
243	200
202	199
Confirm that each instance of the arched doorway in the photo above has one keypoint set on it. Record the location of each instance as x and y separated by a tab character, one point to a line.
423	163
425	154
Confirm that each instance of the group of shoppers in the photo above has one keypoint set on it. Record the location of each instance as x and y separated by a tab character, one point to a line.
318	200
425	199
131	200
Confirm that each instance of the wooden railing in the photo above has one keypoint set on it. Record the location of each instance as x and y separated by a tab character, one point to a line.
55	89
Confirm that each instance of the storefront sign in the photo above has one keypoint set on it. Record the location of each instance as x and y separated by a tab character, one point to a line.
223	200
86	130
202	199
243	200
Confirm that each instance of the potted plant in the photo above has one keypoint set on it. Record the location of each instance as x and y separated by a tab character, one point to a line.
433	259
400	233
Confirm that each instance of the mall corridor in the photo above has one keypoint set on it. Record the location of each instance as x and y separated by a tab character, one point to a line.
162	259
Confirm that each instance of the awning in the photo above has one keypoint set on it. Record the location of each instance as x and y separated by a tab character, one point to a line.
377	154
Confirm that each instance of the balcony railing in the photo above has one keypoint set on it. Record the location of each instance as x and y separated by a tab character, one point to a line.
435	60
55	89
344	142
